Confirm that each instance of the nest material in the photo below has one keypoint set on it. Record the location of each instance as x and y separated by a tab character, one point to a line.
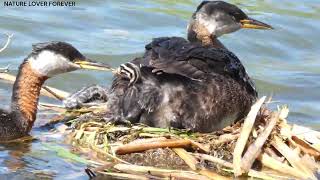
263	145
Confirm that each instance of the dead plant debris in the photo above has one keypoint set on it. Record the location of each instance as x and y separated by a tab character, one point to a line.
266	146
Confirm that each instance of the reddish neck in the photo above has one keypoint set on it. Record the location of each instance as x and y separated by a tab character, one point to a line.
25	95
198	33
217	44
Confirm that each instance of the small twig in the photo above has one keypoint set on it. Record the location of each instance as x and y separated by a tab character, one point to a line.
59	97
9	36
53	107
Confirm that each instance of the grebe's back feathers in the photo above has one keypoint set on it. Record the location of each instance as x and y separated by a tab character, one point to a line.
176	55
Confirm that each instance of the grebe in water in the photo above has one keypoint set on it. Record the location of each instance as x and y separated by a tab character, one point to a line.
45	61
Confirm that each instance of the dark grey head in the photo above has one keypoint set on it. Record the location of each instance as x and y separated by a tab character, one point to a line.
52	58
62	48
219	17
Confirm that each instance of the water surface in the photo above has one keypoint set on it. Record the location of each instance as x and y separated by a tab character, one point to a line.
284	62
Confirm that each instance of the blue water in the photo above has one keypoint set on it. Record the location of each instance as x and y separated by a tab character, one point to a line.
284	62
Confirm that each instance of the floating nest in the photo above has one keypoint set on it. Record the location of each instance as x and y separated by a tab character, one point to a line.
263	145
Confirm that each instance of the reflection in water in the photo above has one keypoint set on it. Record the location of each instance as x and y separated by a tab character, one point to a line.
284	62
12	159
39	158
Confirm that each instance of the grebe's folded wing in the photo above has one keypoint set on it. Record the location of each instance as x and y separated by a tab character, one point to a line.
177	56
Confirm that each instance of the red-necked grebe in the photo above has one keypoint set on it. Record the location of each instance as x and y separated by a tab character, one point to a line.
45	61
196	84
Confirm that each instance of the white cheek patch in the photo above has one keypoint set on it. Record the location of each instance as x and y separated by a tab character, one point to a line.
211	24
48	63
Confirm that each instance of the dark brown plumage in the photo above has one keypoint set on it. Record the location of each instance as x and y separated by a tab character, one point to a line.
196	84
184	85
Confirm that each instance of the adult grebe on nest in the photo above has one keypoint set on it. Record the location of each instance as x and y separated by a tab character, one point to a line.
45	61
196	84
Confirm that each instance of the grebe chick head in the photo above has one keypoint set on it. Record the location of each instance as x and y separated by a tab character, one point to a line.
215	18
52	58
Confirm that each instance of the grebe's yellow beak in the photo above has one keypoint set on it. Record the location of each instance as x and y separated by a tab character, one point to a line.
254	24
93	65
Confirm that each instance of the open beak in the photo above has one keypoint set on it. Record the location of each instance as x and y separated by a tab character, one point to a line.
254	24
92	65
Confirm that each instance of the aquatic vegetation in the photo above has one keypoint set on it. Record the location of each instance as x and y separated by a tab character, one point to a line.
263	145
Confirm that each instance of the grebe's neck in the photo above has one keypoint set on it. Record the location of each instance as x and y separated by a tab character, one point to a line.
198	33
25	96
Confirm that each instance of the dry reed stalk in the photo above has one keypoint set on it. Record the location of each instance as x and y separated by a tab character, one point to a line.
135	169
308	135
170	143
125	176
57	95
306	147
199	147
285	129
148	140
103	167
212	175
53	107
261	175
271	163
273	154
214	160
187	158
292	157
225	138
109	155
244	135
62	94
251	173
255	148
149	135
310	162
192	162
